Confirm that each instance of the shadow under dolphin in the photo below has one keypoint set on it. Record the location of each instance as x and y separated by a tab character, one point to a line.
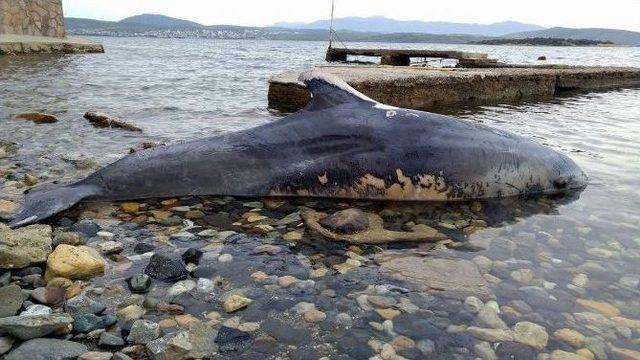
342	145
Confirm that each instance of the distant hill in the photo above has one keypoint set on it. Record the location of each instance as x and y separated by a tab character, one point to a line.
383	24
619	37
159	21
543	42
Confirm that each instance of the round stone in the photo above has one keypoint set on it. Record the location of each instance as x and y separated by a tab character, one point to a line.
139	284
530	334
314	316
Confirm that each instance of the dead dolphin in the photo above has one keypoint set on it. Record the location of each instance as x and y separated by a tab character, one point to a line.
342	145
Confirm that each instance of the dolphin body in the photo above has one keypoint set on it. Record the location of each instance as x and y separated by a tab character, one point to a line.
342	145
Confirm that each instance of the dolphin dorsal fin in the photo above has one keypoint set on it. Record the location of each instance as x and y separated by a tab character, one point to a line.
328	90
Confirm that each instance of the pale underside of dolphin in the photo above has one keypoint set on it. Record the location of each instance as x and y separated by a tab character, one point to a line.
342	145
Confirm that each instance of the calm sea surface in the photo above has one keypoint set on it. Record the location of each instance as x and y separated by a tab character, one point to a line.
183	89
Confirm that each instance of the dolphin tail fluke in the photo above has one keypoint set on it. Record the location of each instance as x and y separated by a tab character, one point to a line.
41	204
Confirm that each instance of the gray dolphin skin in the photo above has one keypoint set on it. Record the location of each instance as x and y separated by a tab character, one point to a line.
342	145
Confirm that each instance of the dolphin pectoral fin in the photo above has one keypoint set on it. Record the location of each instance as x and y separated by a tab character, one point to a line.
328	91
44	203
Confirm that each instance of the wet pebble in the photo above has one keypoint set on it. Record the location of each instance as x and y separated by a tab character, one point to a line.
139	284
143	332
166	268
231	340
110	340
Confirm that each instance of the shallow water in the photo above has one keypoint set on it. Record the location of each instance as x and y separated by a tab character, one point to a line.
182	89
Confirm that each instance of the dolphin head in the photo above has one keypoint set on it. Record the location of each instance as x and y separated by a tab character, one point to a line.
566	174
553	171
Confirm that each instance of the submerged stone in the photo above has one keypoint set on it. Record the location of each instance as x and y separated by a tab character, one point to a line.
454	278
346	221
139	284
166	269
232	340
192	256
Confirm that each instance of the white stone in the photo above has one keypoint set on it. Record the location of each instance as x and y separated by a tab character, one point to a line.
225	258
205	286
181	287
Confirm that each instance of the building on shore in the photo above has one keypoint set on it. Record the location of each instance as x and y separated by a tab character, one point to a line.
37	26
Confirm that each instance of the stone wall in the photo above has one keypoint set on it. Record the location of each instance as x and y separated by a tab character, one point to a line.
32	17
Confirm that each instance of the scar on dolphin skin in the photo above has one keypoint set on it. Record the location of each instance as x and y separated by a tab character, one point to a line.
427	187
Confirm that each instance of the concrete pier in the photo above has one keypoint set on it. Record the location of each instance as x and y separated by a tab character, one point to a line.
402	57
424	88
25	44
37	26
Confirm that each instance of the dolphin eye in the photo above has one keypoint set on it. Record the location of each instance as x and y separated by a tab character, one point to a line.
561	182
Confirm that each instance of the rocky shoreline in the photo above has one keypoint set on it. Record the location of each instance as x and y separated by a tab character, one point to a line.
228	278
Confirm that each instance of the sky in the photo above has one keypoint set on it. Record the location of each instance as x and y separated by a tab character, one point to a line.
617	14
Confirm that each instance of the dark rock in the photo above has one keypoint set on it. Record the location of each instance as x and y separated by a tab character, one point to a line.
47	349
355	344
84	323
166	269
11	301
542	58
38	118
192	256
32	281
513	350
139	284
346	221
411	353
52	296
32	270
219	220
69	238
232	340
121	356
286	333
5	278
265	345
416	328
87	227
84	304
109	320
104	121
108	339
143	248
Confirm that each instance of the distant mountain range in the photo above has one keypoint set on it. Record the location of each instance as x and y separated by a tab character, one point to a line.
385	25
349	30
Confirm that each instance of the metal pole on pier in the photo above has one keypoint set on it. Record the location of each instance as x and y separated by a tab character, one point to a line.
333	6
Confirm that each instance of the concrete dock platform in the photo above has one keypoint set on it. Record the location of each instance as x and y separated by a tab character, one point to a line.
11	44
425	88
